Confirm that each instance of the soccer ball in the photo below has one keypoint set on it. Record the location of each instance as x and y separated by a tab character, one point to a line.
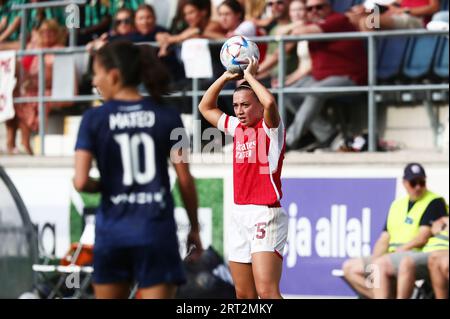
235	52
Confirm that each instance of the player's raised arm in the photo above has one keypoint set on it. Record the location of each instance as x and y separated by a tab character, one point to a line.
271	115
208	104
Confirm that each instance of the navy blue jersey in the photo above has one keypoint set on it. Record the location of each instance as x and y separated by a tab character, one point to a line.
131	142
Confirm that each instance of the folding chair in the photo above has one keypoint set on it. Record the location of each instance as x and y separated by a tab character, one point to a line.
77	262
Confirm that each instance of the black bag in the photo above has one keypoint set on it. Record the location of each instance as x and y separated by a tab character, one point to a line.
207	278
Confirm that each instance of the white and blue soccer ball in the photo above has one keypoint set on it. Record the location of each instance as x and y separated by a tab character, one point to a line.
235	52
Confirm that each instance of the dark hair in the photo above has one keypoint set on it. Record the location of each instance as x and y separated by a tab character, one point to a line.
202	5
128	10
244	86
235	6
136	65
147	7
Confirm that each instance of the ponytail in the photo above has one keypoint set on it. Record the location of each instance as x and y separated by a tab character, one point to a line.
154	74
136	65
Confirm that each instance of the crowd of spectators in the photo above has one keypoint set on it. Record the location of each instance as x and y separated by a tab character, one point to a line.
314	64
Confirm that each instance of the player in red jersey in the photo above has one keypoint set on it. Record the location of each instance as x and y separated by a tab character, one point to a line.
258	225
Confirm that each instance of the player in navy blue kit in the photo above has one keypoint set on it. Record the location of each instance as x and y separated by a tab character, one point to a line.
129	136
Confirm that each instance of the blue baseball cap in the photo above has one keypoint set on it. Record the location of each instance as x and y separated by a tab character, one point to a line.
414	171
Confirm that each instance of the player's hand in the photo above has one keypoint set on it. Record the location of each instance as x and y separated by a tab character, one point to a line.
163	50
252	68
229	76
194	245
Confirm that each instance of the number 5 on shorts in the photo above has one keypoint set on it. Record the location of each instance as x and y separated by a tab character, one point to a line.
261	230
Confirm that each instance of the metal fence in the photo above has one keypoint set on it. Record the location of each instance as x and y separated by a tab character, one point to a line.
371	88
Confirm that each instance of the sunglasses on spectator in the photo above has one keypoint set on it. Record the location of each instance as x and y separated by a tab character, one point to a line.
124	21
272	3
415	182
317	7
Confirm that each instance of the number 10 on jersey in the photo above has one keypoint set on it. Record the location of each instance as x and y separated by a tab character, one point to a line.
129	151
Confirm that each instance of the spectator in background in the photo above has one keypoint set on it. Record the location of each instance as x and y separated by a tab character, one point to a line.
135	27
268	69
9	21
178	24
123	24
231	18
438	268
123	28
197	16
254	11
414	264
145	22
408	227
148	31
334	63
4	13
95	20
298	15
400	14
49	35
9	33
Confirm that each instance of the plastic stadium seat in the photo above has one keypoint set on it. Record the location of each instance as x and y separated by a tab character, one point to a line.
441	60
391	52
342	5
419	56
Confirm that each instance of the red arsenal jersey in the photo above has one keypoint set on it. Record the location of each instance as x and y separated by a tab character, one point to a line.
258	159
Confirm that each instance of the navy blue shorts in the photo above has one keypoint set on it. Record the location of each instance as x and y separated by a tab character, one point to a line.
147	265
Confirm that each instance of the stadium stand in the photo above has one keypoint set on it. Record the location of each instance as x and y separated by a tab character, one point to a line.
391	52
419	56
441	60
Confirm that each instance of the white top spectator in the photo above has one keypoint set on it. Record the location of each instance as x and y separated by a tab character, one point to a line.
246	28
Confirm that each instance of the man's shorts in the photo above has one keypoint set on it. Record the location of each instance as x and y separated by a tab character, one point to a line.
147	265
407	21
254	229
420	260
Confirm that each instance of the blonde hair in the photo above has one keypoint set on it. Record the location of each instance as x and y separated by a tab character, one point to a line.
254	9
53	25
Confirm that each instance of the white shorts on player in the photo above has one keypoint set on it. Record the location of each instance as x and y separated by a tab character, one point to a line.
253	229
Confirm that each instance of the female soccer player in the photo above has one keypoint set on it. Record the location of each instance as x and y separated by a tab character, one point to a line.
258	230
130	138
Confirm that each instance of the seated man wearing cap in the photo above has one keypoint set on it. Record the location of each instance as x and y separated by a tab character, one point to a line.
408	228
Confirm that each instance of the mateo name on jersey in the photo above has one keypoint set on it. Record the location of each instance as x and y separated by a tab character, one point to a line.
137	119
